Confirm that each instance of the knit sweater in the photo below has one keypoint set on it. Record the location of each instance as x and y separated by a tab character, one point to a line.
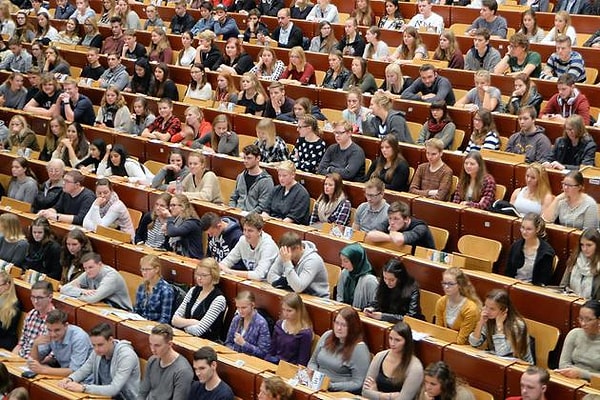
465	321
581	351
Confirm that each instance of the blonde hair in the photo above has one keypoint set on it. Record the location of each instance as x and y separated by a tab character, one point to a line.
213	268
299	51
267	126
288	166
11	228
8	300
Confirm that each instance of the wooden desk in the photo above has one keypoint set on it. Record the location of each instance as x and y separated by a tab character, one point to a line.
189	344
485	281
68	305
430	349
321	312
427	273
129	255
48	389
441	214
559	387
586	390
301	392
179	269
15	369
376	333
91	315
241	378
8	356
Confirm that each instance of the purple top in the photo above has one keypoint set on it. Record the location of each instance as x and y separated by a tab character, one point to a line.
257	336
294	349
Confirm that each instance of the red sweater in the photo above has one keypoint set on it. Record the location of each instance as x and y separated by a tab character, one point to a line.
580	106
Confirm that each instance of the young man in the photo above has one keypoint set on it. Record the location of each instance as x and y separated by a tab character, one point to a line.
270	7
152	18
93	70
114	43
113	366
224	25
430	87
344	157
18	59
116	74
372	214
254	25
575	7
75	107
403	229
433	179
209	385
531	140
286	34
564	61
166	125
182	20
74	203
99	283
519	59
427	18
299	266
254	185
206	22
255	249
168	374
568	101
65	344
495	24
534	383
131	48
278	102
35	321
482	55
223	234
64	9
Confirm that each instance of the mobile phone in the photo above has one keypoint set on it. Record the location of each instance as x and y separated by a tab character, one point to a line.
29	374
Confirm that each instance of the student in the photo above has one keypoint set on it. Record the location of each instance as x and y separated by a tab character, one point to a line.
149	231
154	298
488	19
183	230
439	125
108	210
567	102
332	206
13	244
253	197
536	196
43	252
248	332
12	91
531	139
432	179
441	382
290	200
309	147
430	87
35	320
116	73
582	275
114	43
525	93
372	214
357	285
200	183
294	34
344	157
426	18
476	188
75	245
273	148
278	103
131	48
113	112
384	120
485	134
117	162
10	312
563	61
449	50
74	203
325	42
165	125
534	383
209	385
576	148
519	59
93	69
482	55
336	75
182	21
482	96
23	184
223	234
360	77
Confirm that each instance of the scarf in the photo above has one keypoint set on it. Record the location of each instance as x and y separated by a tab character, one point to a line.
110	111
325	209
360	267
112	200
582	277
435	127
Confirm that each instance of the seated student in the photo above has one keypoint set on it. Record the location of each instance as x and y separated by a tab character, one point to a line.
223	140
165	125
360	77
207	53
495	24
562	26
482	55
357	285
35	320
198	88
131	48
531	140
332	206
397	295
272	148
69	345
70	34
530	258
253	186
372	214
200	183
44	102
476	188
341	353
99	283
293	333
116	162
519	59
384	120
432	179
564	60
92	36
142	79
23	184
13	244
163	86
440	379
458	309
344	157
75	245
299	71
575	148
336	75
20	136
43	251
253	23
268	67
299	267
449	50
397	370
74	203
536	196
51	189
248	332
309	147
485	134
568	101
376	48
122	377
149	231
183	230
430	87
501	328
209	384
74	147
582	275
223	234
55	64
11	313
482	95
255	249
154	297
412	48
12	92
116	73
64	9
113	112
278	103
202	310
303	106
525	94
439	125
289	200
169	174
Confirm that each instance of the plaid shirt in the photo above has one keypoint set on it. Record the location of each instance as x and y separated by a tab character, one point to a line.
279	151
34	326
172	126
157	306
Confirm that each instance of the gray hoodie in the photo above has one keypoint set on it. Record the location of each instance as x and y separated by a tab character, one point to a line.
308	276
257	198
395	124
257	260
536	146
124	370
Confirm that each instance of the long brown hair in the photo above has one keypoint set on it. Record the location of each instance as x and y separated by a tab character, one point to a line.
593	235
397	158
294	301
514	325
8	301
408	351
355	334
465	179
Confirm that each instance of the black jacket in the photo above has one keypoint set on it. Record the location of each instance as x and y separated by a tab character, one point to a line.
182	24
585	152
295	38
542	266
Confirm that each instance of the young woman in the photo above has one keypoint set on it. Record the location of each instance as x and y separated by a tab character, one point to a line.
274	388
357	285
323	11
396	372
70	34
391	167
341	354
562	26
326	42
361	77
530	28
143	77
302	107
439	125
575	149
298	71
411	49
154	297
222	139
150	230
337	75
397	295
10	312
226	91
75	245
160	49
484	135
55	64
45	32
43	251
44	102
582	275
57	130
129	17
441	383
113	111
108	11
332	206
195	130
536	196
92	37
376	48
460	306
166	125
268	67
142	117
12	91
355	113
482	95
248	332
201	183
300	9
187	53
290	201
476	188
310	147
573	207
75	147
116	162
394	83
252	95
501	328
163	84
207	53
20	136
578	357
203	308
83	11
449	50
432	179
363	13
23	184
272	147
24	29
37	55
392	18
292	334
235	59
175	170
352	43
183	229
198	88
108	210
13	244
525	94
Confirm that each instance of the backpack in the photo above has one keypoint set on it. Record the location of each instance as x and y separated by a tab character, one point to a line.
270	321
178	296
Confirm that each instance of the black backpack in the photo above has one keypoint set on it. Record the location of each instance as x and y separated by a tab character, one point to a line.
270	321
178	296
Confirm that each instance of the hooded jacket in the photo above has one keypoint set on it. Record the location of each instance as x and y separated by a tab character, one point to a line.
395	124
257	197
117	76
535	100
124	370
576	104
257	261
536	146
219	247
584	152
189	237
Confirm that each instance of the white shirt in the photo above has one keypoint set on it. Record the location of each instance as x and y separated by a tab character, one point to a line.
435	22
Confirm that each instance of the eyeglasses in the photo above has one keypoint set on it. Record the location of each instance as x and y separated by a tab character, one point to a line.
565	184
372	195
586	320
201	275
174	205
449	284
38	298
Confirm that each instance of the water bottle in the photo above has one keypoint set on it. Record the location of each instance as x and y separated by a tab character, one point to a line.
178	186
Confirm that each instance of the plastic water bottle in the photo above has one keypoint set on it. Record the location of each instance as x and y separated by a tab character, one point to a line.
178	186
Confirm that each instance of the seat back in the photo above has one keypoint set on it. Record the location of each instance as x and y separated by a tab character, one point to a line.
440	237
132	281
114	234
136	217
415	129
500	191
481	394
227	188
333	276
459	136
480	253
154	166
546	338
428	302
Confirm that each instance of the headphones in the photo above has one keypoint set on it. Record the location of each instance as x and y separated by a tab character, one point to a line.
570	100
